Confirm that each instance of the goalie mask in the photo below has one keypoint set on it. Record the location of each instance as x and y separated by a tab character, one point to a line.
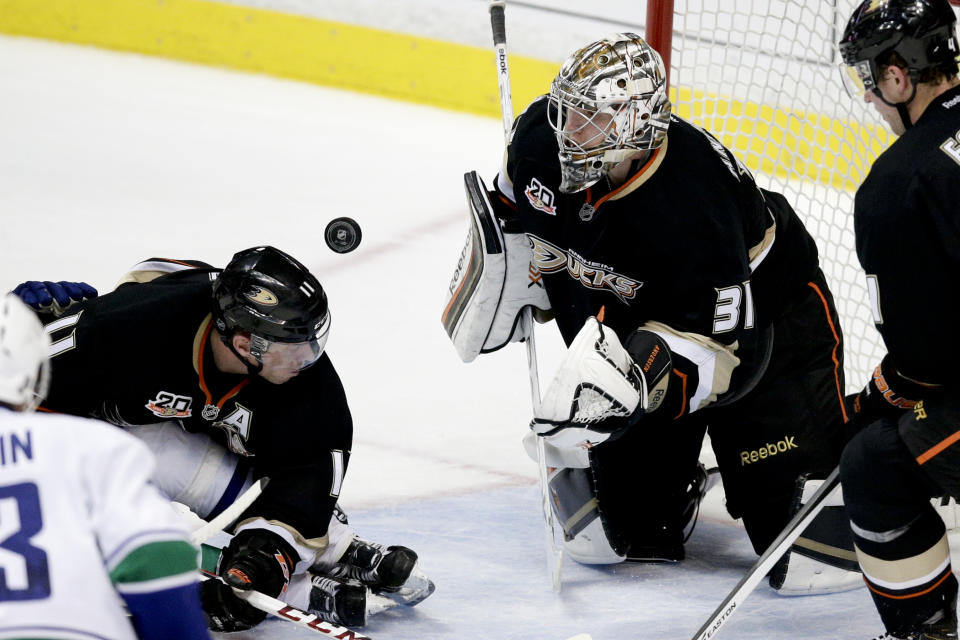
24	363
608	101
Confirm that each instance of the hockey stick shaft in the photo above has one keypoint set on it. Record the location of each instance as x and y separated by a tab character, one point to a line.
498	24
774	552
282	610
229	514
554	549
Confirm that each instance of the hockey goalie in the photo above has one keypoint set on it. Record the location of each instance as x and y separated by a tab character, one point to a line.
690	301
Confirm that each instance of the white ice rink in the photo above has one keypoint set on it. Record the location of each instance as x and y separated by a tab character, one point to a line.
108	158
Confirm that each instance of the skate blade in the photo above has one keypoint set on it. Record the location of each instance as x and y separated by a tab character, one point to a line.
415	590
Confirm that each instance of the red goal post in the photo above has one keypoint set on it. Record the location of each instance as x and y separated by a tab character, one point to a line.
764	78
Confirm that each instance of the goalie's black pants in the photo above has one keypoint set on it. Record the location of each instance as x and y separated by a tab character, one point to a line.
791	423
889	473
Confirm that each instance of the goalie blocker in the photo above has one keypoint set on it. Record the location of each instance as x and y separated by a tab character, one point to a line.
488	291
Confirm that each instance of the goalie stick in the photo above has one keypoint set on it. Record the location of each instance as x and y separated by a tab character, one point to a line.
777	548
554	548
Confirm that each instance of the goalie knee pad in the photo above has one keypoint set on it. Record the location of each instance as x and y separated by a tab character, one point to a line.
492	282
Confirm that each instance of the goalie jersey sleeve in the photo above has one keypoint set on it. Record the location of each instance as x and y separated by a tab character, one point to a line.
688	247
87	538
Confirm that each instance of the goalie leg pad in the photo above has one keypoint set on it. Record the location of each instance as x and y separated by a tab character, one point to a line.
491	284
574	503
823	559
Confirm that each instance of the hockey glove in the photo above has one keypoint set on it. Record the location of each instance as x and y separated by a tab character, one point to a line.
594	385
53	298
255	559
602	388
226	613
887	395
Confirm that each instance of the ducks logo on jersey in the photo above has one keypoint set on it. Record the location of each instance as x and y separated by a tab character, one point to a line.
549	258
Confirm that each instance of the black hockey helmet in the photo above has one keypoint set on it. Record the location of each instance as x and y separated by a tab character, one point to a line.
922	32
270	295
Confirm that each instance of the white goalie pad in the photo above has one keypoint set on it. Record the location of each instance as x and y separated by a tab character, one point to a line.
491	284
595	381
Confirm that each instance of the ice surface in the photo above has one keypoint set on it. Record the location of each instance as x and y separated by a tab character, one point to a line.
108	158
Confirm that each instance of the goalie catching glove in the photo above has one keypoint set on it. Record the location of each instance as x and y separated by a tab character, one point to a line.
255	559
601	388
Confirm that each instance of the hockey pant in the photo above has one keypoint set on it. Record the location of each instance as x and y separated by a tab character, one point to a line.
889	473
195	471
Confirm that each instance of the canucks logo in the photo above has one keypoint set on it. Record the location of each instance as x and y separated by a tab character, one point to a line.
262	296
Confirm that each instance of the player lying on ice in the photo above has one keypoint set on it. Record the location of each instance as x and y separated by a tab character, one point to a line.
715	318
224	375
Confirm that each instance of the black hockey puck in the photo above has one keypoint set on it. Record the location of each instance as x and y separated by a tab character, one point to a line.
343	234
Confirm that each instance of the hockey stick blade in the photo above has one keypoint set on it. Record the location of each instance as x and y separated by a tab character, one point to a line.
282	610
229	514
777	548
554	548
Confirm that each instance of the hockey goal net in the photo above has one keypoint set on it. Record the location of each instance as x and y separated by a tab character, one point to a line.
762	76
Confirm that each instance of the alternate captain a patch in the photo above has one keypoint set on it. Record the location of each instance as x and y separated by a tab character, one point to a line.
540	197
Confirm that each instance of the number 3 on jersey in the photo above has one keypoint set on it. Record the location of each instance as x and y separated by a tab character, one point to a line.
24	572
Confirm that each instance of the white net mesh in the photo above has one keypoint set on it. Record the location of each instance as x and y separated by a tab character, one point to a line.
762	75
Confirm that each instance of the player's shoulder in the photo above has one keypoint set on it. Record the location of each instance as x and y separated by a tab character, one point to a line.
932	145
161	301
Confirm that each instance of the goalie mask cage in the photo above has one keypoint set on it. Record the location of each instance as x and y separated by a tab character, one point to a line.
762	75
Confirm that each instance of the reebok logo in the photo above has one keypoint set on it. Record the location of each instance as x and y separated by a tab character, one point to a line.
768	451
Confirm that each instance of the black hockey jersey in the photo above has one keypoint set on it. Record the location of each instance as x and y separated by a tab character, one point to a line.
141	354
688	246
907	223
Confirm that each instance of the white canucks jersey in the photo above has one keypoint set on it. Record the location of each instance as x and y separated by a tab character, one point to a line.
80	525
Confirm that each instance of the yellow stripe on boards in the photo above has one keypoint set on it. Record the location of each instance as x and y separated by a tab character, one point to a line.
787	143
396	65
416	69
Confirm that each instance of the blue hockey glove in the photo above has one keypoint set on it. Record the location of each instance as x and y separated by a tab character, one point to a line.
53	297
